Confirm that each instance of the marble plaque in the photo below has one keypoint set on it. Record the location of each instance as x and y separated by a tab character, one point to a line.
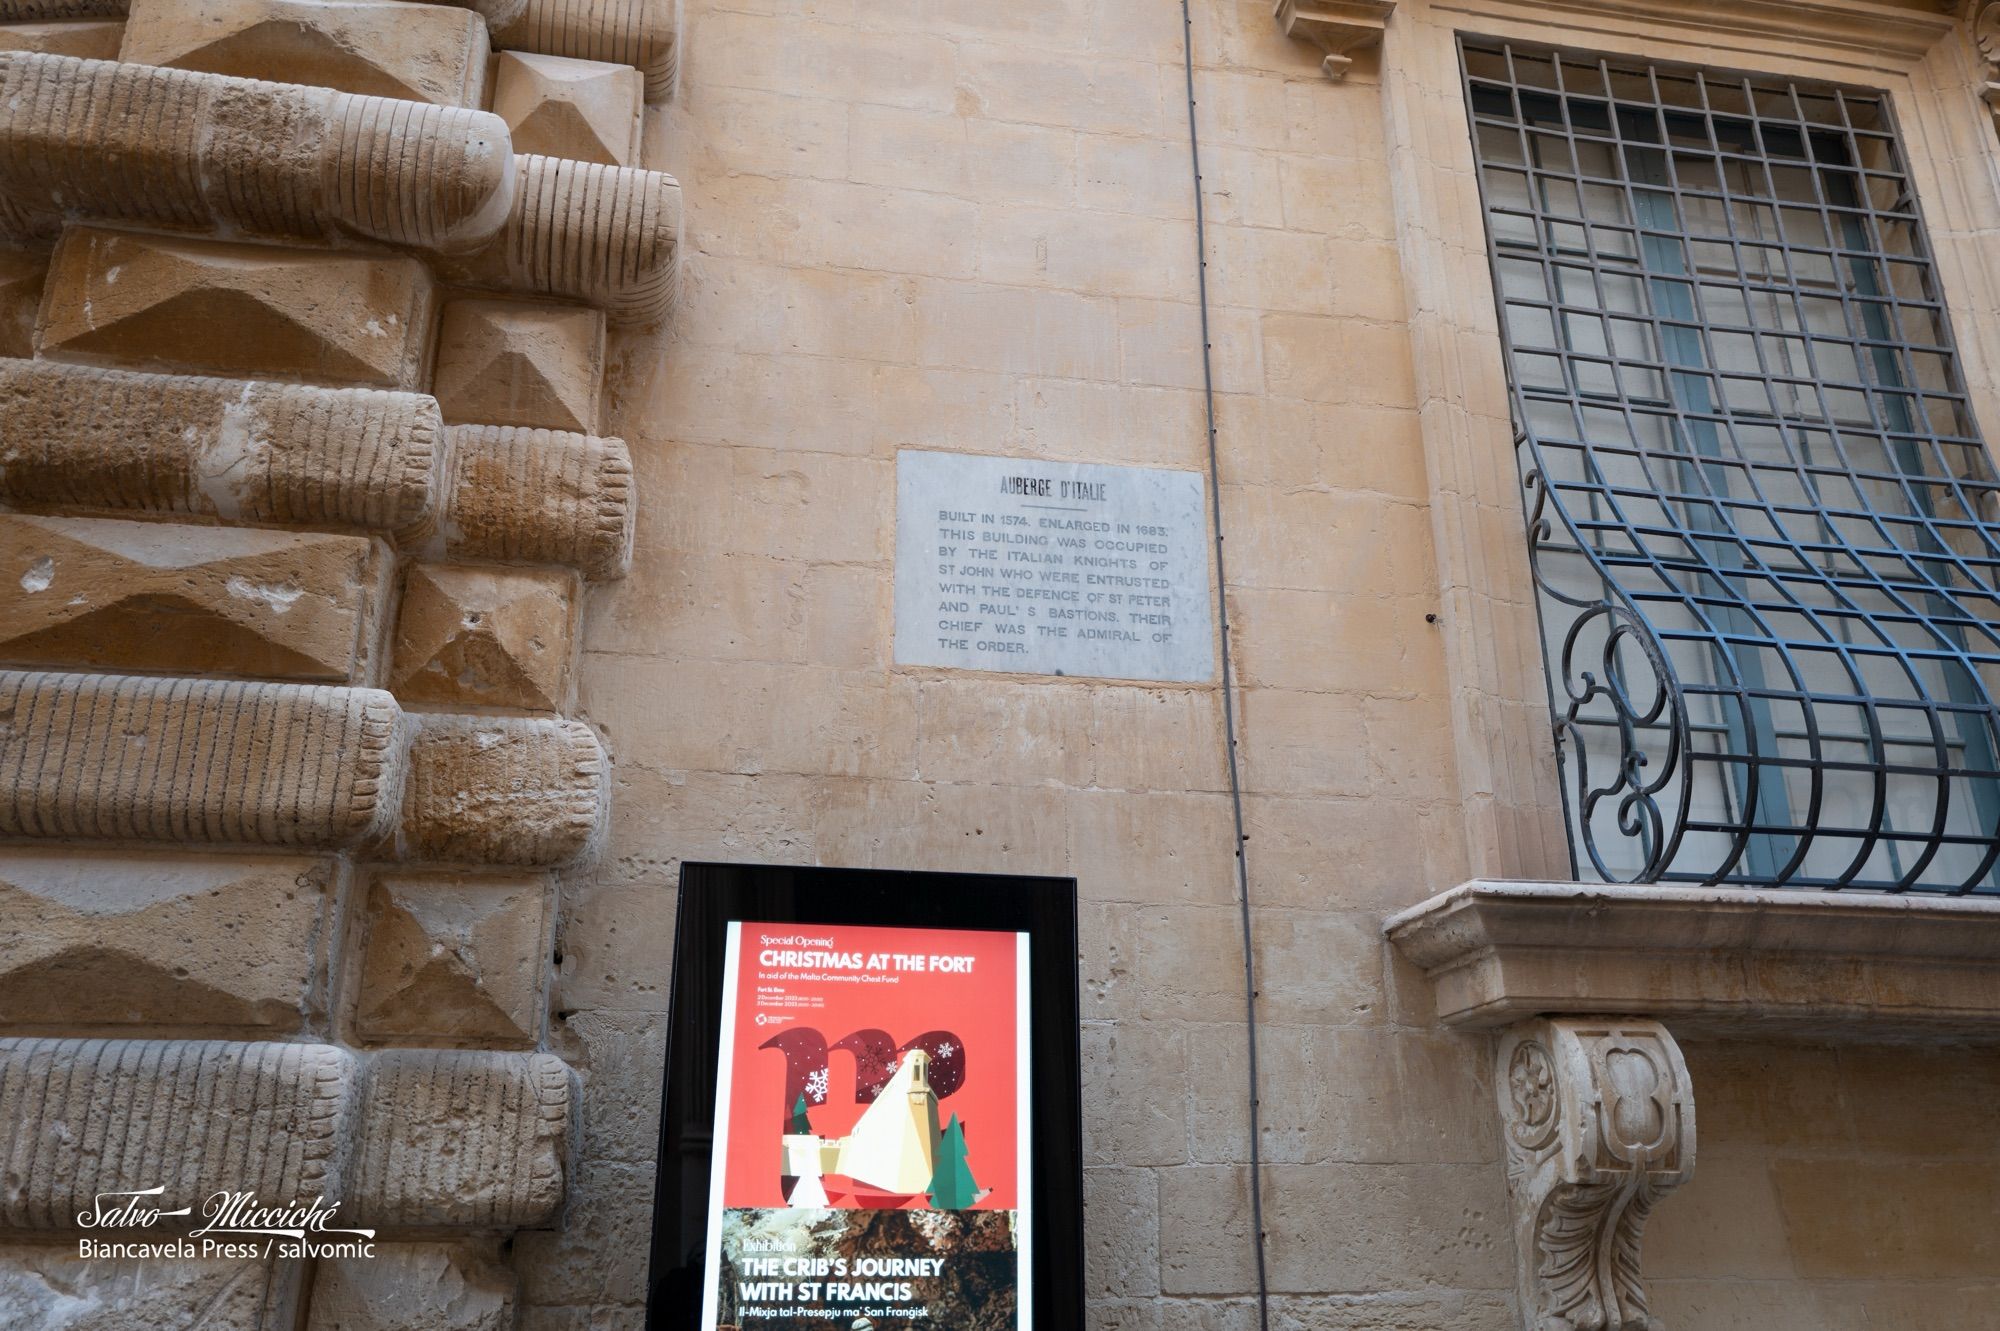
1052	568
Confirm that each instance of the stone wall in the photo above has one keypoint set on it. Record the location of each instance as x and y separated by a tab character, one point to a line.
361	717
302	435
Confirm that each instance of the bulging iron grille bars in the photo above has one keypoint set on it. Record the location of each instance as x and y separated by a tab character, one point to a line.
1764	528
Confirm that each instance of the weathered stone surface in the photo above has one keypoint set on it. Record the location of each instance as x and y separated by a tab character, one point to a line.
1599	1121
605	235
624	32
485	637
216	943
539	497
35	11
558	107
503	362
118	758
1829	965
454	958
82	1117
80	437
504	790
87	39
378	48
20	297
414	1287
45	1287
460	1138
150	302
101	594
205	152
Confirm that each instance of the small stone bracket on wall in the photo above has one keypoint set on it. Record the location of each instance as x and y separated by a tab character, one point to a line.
1337	27
1599	1121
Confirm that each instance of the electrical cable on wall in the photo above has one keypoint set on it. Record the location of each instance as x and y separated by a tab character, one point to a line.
1228	693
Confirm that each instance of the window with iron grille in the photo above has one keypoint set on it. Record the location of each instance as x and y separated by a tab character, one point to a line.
1765	531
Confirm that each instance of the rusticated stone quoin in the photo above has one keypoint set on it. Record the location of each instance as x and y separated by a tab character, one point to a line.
31	11
379	48
83	1117
505	362
201	762
605	235
20	297
217	944
539	497
81	437
504	790
88	39
101	594
581	109
624	32
414	1287
183	150
473	636
1599	1126
155	302
454	958
47	1286
460	1138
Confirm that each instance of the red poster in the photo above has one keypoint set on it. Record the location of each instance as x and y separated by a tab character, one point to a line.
871	1150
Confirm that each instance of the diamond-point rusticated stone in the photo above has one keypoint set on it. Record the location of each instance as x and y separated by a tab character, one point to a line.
110	941
558	107
154	302
454	958
377	48
458	1286
480	636
102	594
88	39
81	437
503	362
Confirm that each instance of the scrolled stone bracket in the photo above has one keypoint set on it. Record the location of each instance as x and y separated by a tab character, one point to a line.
1599	1122
1337	27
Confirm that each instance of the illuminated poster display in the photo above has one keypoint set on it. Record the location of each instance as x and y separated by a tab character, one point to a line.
871	1130
870	1118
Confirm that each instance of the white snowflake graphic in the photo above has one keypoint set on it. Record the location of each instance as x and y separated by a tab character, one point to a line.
816	1086
947	1049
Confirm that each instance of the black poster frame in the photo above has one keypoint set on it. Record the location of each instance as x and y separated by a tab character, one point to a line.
713	894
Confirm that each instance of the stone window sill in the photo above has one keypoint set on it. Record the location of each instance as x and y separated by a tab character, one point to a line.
1711	960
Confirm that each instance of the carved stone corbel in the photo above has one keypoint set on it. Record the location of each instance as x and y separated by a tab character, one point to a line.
1599	1121
1337	27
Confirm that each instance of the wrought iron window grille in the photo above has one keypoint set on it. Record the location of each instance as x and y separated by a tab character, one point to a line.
1764	530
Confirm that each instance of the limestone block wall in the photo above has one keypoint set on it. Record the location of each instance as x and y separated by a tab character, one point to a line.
305	471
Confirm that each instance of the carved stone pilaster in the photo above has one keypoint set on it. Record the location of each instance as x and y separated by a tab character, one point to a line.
1599	1122
1337	27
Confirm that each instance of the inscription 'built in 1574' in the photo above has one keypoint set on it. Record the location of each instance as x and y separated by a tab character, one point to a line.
1051	568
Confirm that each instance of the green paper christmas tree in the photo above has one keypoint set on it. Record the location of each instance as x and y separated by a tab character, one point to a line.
952	1186
799	1123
